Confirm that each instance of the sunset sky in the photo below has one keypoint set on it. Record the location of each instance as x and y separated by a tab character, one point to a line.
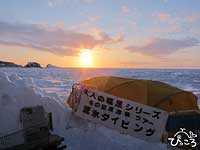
101	33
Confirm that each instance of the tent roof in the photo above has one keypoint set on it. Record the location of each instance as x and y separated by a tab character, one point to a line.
153	93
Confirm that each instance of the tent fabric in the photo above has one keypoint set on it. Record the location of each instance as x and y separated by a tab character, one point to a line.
152	93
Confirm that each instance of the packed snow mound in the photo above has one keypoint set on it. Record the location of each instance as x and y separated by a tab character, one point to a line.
15	94
79	134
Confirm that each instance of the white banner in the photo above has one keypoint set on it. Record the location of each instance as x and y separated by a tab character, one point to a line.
128	117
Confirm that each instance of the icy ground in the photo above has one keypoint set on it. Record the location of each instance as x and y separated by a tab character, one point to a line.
50	88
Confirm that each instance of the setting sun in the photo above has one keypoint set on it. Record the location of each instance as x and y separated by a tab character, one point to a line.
85	58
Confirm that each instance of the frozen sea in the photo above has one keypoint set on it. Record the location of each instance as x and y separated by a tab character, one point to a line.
54	86
59	81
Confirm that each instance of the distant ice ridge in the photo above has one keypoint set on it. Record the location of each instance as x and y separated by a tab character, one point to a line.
16	93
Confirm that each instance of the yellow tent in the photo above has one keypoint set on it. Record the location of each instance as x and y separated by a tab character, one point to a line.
152	93
157	94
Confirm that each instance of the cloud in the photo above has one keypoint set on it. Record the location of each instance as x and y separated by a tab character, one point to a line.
195	31
93	19
87	24
54	39
165	1
192	18
158	46
100	35
166	29
125	9
166	23
88	1
164	16
54	3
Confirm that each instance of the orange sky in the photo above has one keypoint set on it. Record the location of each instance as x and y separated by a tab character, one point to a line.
117	33
100	59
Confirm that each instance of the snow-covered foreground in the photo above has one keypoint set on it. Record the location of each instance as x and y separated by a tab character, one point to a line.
17	92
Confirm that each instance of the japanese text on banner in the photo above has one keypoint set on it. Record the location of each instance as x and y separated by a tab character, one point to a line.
132	118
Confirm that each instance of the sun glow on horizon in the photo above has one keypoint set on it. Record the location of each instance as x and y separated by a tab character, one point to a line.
85	58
